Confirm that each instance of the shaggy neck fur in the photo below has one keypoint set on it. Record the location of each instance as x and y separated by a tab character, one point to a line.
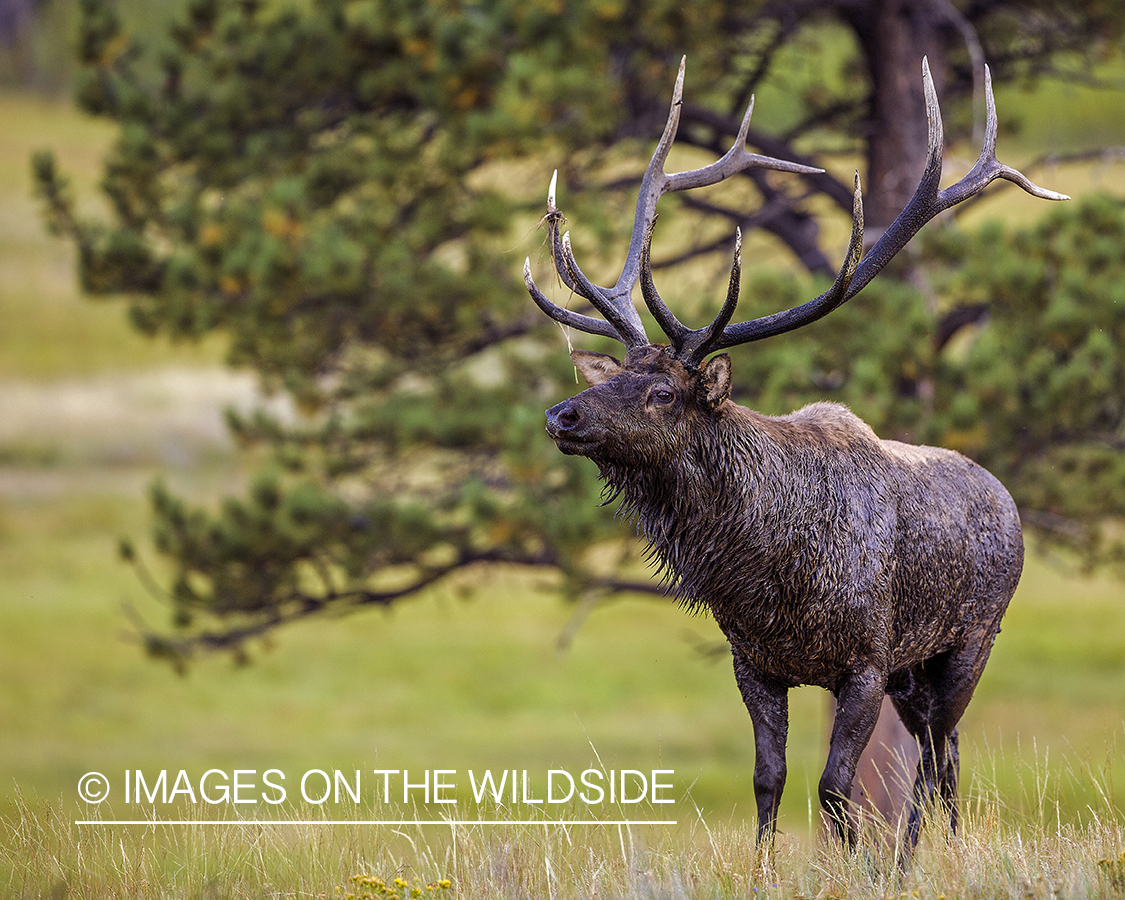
693	508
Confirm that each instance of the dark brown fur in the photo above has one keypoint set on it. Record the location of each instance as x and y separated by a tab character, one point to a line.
827	556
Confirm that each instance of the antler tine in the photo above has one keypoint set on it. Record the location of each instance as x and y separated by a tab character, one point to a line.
653	185
588	324
554	218
714	331
669	324
617	307
690	345
656	183
787	320
987	167
616	303
926	203
616	325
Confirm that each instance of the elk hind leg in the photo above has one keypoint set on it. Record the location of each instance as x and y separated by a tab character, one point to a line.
949	778
941	688
935	783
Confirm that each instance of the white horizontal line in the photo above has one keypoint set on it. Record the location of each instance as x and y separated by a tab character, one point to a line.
563	822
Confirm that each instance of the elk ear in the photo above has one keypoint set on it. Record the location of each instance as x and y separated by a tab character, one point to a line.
714	380
595	367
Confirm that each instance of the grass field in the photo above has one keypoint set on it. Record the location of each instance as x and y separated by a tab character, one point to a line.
467	677
353	860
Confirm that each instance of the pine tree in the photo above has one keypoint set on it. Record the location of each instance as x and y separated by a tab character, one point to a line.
330	187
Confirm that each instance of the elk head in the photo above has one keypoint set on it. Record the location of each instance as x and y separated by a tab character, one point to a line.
658	385
650	394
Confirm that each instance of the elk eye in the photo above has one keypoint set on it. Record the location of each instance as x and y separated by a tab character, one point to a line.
663	395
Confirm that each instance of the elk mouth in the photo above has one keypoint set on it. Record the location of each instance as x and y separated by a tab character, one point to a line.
573	446
572	443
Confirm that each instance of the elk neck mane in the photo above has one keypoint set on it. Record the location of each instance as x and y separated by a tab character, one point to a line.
727	487
692	504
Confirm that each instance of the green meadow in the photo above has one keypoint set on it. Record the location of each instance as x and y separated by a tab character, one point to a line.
485	672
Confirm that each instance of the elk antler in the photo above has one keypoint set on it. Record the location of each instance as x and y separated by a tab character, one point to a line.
616	303
691	346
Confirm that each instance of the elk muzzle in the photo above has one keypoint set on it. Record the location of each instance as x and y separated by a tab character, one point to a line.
572	428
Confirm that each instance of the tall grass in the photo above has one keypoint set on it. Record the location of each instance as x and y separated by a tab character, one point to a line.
45	854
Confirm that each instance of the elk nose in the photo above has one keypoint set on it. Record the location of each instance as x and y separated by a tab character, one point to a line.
563	417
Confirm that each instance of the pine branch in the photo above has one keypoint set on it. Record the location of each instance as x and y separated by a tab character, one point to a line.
299	606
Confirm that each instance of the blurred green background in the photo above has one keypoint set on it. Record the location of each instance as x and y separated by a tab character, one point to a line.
469	674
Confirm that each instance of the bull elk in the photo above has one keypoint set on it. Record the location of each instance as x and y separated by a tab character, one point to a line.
827	556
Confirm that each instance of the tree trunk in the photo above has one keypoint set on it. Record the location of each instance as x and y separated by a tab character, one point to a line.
895	35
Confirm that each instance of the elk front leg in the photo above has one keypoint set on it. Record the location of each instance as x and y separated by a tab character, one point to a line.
768	704
858	700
